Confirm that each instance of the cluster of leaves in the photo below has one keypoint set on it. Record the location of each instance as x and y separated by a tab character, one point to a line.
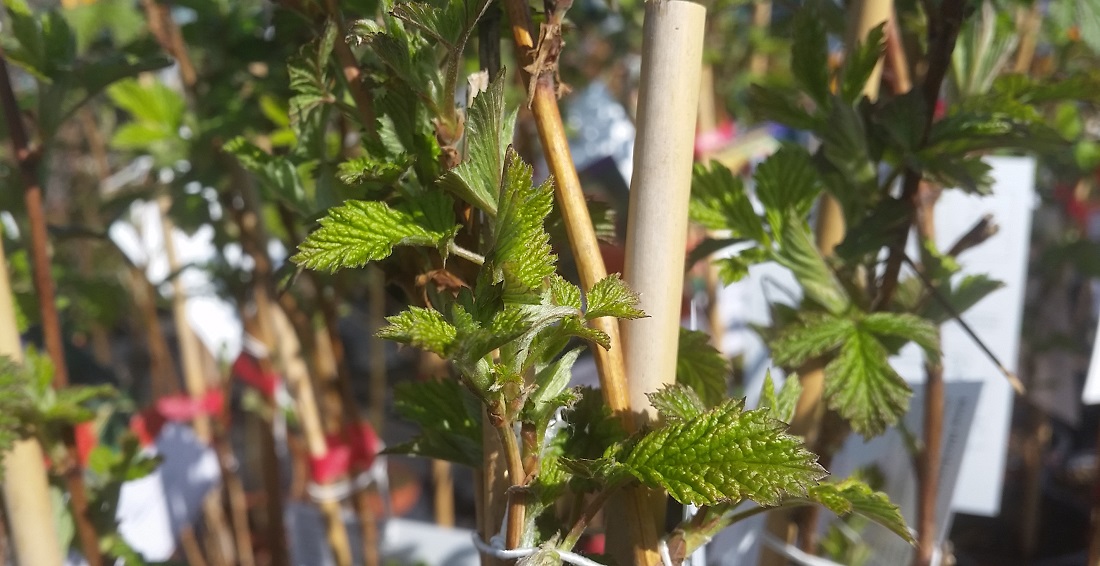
842	322
33	407
508	328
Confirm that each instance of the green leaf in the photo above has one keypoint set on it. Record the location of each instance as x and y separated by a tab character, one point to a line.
153	103
520	254
820	285
449	418
854	496
550	382
863	388
611	297
782	106
906	326
708	247
781	407
888	218
844	145
861	62
787	185
734	268
592	427
814	335
967	172
489	131
810	54
964	132
564	293
29	48
366	169
363	231
445	25
277	175
725	454
677	403
719	202
701	367
420	327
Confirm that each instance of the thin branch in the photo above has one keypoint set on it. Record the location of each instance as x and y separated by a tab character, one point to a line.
943	32
589	513
1013	380
466	254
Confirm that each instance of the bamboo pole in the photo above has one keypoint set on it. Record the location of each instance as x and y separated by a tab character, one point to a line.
27	161
26	487
931	453
1028	22
657	224
761	19
220	547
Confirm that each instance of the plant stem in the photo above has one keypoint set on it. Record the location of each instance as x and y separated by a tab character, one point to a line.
943	31
466	254
27	161
514	462
586	250
589	513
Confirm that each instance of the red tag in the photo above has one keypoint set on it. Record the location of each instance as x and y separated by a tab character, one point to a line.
182	408
247	369
86	440
356	447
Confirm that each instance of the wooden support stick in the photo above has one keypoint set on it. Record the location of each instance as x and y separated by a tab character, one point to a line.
26	487
657	224
573	208
221	549
672	52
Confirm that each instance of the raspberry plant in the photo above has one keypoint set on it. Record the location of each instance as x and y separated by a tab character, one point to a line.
508	323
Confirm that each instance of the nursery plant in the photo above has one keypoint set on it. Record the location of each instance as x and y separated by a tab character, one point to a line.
450	205
362	140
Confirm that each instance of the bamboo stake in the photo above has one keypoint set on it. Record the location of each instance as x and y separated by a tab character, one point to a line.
1028	21
931	453
221	548
26	487
574	209
27	160
672	51
657	224
761	19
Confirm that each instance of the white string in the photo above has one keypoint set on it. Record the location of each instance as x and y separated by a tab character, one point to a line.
496	550
662	549
341	490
